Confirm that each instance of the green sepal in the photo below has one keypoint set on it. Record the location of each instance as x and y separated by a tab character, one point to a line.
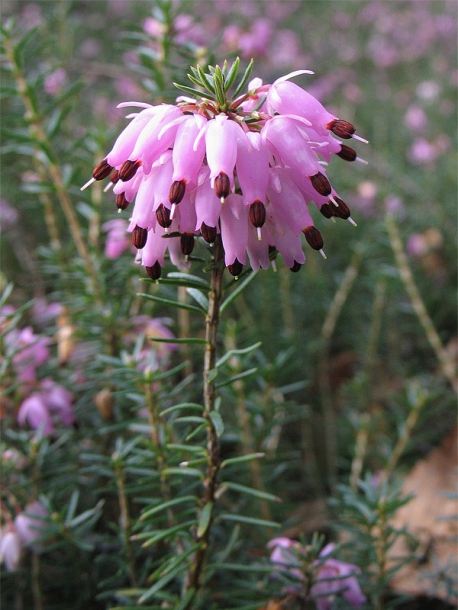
244	80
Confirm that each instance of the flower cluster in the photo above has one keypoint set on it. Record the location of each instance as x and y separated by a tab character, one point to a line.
243	167
25	530
331	577
42	401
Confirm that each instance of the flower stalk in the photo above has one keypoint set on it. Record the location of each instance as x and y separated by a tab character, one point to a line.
125	519
213	447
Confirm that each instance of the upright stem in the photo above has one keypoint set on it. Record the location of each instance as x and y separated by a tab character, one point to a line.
445	360
50	167
213	448
125	522
327	331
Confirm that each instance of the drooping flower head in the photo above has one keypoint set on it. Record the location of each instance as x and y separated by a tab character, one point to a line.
243	166
321	579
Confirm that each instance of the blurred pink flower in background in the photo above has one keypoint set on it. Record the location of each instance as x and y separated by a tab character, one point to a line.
422	152
8	215
118	241
415	118
250	43
153	355
420	244
31	15
31	351
30	525
332	577
45	313
55	81
10	547
38	409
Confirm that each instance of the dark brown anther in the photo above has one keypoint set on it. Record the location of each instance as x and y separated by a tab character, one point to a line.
177	191
163	216
121	201
236	268
187	243
321	184
341	128
222	186
341	210
139	237
328	210
208	233
272	252
257	214
128	170
313	237
102	170
114	176
155	271
295	268
346	153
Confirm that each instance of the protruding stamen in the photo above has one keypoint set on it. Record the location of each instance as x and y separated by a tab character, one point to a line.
350	219
331	198
155	271
343	129
346	153
128	170
108	187
121	201
359	138
257	216
163	217
327	210
172	210
342	210
139	237
296	267
321	251
235	269
361	160
177	191
313	237
187	243
114	176
321	184
89	182
102	170
222	186
208	233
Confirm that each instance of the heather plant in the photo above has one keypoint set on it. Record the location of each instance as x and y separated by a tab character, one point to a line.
172	395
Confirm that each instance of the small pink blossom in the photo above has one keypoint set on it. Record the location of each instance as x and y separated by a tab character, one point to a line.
30	525
10	547
331	578
8	215
31	351
118	240
55	81
415	118
422	152
336	578
40	408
